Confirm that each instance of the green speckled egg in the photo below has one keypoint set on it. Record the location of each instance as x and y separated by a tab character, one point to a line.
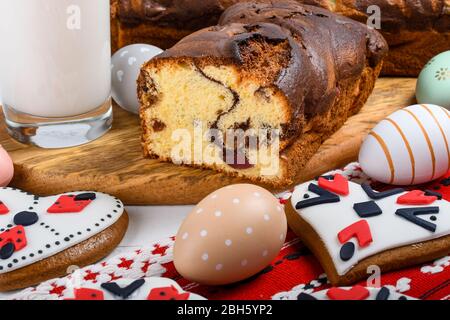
433	85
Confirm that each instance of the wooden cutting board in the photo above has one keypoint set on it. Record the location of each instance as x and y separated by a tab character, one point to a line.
114	163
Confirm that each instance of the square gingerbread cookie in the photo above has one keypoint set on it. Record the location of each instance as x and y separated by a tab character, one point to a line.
350	227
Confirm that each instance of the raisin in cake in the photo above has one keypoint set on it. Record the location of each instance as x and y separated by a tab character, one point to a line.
296	70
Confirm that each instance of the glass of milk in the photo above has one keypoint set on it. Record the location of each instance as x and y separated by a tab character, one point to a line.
55	74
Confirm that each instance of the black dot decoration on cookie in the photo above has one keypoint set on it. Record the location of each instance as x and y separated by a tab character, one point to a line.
125	292
433	218
324	197
306	196
383	294
372	194
305	297
85	196
67	239
433	194
7	250
402	298
411	214
347	251
367	209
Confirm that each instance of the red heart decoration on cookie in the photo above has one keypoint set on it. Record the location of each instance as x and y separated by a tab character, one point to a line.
68	204
338	185
16	236
355	293
360	230
416	197
3	208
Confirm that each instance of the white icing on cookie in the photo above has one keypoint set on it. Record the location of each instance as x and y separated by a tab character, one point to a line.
388	229
53	232
153	288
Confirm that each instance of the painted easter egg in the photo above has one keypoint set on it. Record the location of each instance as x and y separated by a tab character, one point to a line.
126	65
409	147
231	235
433	84
6	168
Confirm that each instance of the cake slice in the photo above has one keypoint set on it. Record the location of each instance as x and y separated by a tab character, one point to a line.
258	94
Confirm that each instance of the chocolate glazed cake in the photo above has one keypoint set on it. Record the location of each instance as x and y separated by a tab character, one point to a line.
296	69
164	22
416	30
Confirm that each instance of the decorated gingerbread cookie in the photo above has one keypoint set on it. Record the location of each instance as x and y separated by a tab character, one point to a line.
354	293
351	227
127	289
41	237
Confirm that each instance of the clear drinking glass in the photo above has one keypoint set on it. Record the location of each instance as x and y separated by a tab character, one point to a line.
55	74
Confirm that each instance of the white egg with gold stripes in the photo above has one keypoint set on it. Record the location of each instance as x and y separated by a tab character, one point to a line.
409	147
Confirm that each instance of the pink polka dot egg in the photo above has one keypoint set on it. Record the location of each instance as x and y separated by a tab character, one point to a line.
6	168
231	235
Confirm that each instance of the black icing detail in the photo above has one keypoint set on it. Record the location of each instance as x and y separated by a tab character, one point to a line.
306	196
367	209
433	218
123	292
433	193
372	194
26	218
347	251
327	177
402	298
7	251
305	297
85	196
324	197
411	214
383	294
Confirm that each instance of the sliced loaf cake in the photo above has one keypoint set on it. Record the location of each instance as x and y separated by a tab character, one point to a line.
258	94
